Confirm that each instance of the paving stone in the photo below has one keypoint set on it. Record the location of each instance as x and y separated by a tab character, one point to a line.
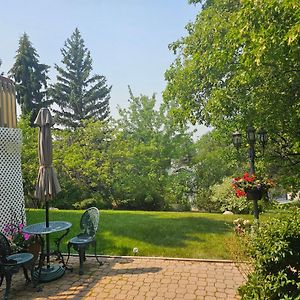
137	278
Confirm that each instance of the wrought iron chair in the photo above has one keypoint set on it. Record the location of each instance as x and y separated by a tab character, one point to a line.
11	263
89	226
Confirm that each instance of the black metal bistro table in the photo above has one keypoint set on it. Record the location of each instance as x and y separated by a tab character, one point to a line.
50	271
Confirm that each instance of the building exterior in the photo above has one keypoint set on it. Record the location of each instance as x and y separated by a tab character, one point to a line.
8	112
12	208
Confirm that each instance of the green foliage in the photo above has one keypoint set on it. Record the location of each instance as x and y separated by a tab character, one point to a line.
141	162
1	73
213	161
144	146
97	201
290	206
238	65
224	197
30	160
179	190
275	247
202	201
233	53
31	79
79	95
82	163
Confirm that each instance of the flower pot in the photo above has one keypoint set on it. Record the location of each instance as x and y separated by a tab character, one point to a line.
254	194
34	248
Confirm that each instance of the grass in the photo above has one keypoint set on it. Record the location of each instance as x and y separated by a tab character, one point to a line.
168	234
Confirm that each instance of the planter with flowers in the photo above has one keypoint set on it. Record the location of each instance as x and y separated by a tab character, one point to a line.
20	241
251	187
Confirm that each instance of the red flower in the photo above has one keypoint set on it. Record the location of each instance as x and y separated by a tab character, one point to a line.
249	179
240	193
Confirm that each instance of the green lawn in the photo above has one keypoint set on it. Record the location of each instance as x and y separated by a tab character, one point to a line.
169	234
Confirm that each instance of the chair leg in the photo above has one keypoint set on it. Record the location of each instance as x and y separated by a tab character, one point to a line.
95	251
8	285
81	251
69	250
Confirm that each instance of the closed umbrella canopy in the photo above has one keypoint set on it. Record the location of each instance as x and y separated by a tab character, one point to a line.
47	184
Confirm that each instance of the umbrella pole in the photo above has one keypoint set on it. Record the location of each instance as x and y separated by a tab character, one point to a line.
47	235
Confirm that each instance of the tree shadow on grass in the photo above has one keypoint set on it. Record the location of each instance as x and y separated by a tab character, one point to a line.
158	230
157	233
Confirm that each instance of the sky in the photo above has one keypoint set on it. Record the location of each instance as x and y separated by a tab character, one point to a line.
128	39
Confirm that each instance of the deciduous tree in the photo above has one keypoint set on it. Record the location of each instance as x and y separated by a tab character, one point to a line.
240	65
145	145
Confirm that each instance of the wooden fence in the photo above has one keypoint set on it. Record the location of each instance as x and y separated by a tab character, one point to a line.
8	113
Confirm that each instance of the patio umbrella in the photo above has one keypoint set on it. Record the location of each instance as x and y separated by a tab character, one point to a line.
47	184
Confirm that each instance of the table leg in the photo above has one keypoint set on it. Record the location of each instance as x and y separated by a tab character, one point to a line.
58	252
41	260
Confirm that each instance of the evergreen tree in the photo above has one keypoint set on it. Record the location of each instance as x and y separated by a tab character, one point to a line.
79	95
1	73
30	78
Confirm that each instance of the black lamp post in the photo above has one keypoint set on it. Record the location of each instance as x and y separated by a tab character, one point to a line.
251	139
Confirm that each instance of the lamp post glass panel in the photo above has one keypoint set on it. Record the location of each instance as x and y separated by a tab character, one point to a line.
251	142
237	139
262	138
251	139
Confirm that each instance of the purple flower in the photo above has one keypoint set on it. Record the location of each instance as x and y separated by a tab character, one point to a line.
26	236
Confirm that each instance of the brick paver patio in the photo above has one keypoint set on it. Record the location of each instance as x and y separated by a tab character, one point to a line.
137	278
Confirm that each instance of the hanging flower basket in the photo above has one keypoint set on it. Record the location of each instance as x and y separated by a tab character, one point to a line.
254	194
250	186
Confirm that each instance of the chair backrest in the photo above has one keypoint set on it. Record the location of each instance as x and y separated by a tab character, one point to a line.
89	221
5	248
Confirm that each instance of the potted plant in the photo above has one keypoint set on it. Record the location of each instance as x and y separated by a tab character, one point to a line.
251	186
20	241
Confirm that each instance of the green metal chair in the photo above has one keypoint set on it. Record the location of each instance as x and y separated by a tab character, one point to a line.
89	225
11	263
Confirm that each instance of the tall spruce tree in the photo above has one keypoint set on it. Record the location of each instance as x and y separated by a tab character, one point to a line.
1	73
79	95
30	78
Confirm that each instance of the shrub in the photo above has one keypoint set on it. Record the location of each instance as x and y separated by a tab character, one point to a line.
202	201
224	195
275	248
97	200
291	206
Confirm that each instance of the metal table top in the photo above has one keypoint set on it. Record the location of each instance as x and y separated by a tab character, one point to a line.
40	228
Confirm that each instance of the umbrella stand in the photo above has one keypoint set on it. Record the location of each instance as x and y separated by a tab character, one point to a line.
47	235
51	271
47	186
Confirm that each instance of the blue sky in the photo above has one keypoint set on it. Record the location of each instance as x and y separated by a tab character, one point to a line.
128	39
